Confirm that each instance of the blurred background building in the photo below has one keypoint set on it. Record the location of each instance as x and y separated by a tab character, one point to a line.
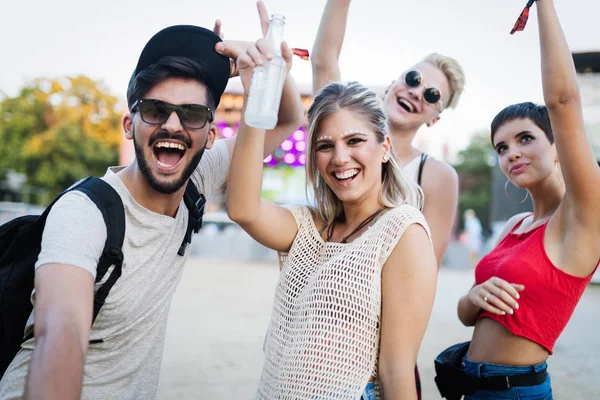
68	128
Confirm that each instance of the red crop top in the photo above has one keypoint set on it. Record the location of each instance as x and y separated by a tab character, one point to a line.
550	295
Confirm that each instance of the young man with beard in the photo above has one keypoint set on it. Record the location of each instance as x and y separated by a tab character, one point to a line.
416	98
172	95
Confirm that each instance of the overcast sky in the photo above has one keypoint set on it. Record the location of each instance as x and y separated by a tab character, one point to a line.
103	40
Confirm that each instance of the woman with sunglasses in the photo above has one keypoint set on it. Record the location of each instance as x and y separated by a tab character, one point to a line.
358	271
416	98
527	287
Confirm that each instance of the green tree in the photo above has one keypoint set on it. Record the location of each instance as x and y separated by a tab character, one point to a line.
474	168
59	130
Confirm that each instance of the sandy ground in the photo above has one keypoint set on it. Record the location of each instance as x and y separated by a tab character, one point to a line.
221	310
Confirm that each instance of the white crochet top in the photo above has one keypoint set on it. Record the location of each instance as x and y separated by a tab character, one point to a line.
323	337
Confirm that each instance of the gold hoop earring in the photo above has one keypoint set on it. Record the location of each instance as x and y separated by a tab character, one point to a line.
510	198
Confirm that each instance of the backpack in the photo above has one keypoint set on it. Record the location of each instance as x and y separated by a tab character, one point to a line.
20	244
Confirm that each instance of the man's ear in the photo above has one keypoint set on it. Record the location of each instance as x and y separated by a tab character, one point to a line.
433	121
212	134
127	124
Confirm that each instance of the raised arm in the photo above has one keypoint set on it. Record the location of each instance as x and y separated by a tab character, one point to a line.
328	43
408	284
561	95
63	316
291	109
268	223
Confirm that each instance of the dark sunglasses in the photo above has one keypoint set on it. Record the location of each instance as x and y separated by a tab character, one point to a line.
431	95
157	112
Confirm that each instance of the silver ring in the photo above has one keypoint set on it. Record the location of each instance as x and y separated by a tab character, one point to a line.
485	298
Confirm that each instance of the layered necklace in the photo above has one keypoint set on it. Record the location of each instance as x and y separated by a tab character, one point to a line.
358	228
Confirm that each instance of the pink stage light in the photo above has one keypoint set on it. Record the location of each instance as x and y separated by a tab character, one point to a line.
298	135
301	146
268	159
302	159
289	158
227	132
287	145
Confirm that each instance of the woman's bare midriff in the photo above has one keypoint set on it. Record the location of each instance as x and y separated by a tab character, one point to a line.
492	343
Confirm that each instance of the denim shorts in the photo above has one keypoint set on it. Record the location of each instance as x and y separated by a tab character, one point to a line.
369	393
542	391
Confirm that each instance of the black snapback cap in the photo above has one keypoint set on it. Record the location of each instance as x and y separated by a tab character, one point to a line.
192	42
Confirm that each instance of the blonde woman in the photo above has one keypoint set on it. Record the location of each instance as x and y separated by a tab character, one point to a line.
358	273
417	97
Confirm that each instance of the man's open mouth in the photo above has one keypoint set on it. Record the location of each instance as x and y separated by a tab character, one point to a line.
168	154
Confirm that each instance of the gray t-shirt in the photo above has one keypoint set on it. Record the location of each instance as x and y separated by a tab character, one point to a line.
132	322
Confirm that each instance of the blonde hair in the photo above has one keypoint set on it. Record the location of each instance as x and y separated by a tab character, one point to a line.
396	188
453	72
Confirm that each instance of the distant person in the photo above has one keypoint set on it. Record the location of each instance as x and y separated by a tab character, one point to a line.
358	270
474	235
528	286
172	97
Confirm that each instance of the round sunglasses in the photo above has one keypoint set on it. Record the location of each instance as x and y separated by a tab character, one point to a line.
157	112
431	95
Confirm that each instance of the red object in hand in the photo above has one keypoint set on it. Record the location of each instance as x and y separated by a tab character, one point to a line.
522	20
302	53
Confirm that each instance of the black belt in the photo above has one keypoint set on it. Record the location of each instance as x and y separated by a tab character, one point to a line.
507	382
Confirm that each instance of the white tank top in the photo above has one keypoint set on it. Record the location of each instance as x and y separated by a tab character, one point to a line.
323	337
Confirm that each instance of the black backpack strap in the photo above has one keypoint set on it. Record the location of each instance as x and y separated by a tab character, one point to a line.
421	165
109	203
194	201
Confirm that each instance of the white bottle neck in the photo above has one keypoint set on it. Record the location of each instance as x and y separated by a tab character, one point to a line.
275	32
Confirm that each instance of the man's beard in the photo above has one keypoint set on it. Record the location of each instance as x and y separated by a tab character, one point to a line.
155	184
